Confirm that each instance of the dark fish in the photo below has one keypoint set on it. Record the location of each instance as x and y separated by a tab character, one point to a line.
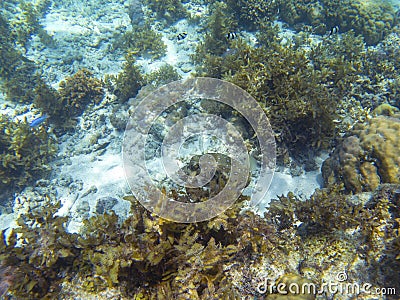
36	122
231	35
334	30
181	36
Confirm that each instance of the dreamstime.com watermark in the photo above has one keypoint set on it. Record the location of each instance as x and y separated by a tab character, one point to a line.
340	286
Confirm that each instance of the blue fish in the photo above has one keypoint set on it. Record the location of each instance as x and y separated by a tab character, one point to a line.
36	122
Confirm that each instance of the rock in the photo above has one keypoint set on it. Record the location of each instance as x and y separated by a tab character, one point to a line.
105	204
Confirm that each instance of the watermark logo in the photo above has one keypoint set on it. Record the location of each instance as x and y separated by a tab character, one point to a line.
178	141
340	286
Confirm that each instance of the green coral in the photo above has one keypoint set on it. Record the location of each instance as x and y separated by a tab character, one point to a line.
24	151
368	156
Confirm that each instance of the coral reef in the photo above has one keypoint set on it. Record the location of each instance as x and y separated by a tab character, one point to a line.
312	91
17	25
145	255
371	19
368	156
35	251
25	21
24	152
250	14
298	98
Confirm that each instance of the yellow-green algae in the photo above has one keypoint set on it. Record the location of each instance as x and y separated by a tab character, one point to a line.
75	93
146	257
24	152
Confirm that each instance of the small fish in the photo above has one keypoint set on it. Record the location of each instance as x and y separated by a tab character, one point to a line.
181	36
334	30
231	35
36	122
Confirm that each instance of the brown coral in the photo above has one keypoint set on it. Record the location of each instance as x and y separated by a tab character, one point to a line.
370	155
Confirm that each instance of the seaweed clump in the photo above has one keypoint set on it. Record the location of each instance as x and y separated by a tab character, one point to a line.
250	14
141	41
18	74
24	152
37	253
18	23
71	99
24	18
165	74
209	55
128	82
145	257
171	260
298	98
169	10
304	86
355	231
